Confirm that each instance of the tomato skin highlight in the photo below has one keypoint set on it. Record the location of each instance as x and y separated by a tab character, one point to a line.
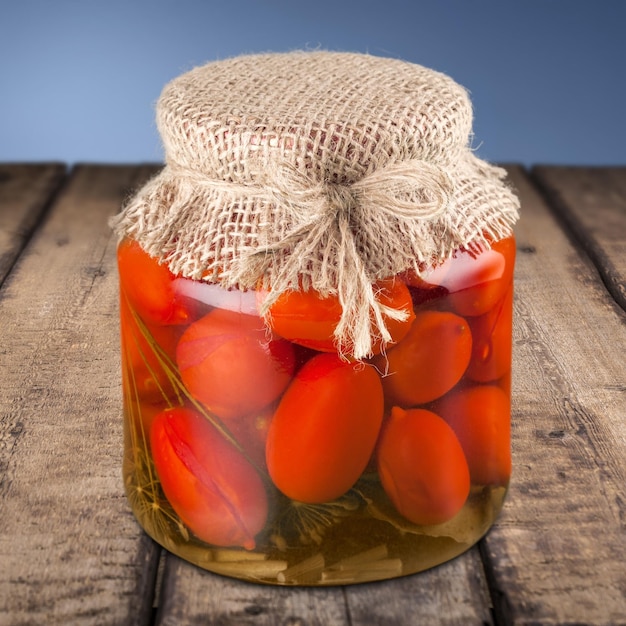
214	490
422	466
483	280
149	286
474	283
308	319
492	347
481	418
325	429
429	361
228	363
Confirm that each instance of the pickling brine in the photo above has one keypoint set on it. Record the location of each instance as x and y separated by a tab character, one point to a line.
255	447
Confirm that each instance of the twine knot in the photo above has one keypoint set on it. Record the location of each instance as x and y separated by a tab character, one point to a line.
341	226
340	198
408	190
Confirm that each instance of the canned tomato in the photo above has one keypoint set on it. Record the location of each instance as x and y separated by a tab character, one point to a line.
316	321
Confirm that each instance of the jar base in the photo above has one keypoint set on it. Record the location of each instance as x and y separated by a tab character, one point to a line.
356	539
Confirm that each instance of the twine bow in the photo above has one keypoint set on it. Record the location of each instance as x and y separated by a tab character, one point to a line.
335	237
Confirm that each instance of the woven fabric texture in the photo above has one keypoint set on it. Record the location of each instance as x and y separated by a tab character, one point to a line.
321	170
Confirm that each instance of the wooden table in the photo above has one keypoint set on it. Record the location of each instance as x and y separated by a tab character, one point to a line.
70	550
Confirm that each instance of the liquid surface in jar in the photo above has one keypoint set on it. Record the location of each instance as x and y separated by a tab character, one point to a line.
272	459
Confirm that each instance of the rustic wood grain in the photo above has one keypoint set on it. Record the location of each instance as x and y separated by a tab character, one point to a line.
453	594
557	552
591	201
25	190
191	596
70	550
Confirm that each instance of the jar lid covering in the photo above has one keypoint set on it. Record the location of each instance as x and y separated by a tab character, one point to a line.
318	169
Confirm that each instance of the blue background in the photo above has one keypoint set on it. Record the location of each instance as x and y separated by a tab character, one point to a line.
79	78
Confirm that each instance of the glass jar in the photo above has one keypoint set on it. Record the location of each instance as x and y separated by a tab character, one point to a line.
253	449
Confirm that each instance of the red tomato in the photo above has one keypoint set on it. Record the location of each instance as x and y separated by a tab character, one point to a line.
429	280
483	280
422	466
429	361
505	384
145	350
474	282
148	285
250	431
216	493
228	363
308	319
492	341
481	418
140	415
421	291
325	429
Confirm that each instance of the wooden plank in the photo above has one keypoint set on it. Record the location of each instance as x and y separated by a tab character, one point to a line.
592	203
71	552
70	549
557	552
455	593
60	488
193	596
25	191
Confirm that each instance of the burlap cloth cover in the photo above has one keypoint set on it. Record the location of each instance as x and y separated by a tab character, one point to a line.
316	169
